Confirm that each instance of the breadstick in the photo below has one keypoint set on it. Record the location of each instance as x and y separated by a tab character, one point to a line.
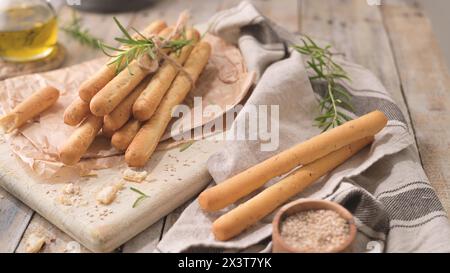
121	114
146	104
118	88
94	84
76	112
248	213
80	140
107	133
244	183
123	137
144	144
28	109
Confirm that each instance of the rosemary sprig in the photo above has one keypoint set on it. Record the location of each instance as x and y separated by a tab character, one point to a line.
320	60
76	31
177	45
141	197
134	48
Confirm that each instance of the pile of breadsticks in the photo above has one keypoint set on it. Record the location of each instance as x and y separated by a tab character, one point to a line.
316	157
134	106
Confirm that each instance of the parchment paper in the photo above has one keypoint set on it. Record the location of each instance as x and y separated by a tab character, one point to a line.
224	83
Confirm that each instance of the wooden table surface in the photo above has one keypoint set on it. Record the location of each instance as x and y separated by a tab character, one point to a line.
394	40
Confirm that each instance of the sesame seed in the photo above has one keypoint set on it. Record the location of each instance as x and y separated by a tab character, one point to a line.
315	230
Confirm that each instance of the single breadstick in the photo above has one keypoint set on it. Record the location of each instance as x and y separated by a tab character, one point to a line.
94	84
253	210
28	109
123	137
122	113
146	104
242	184
118	88
76	112
145	142
80	140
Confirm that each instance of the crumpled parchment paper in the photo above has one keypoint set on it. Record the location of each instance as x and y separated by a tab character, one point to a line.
224	82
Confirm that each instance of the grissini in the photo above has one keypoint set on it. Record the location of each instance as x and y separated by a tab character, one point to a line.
118	88
146	140
146	104
30	108
94	84
122	113
242	217
122	138
76	112
80	140
244	183
107	133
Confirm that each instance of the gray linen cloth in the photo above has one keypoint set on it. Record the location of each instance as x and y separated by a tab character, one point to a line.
384	186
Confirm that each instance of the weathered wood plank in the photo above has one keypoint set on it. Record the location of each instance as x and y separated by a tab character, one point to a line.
426	84
56	241
173	217
283	12
14	219
146	241
169	10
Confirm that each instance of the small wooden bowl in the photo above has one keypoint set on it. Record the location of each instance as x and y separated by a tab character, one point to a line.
278	244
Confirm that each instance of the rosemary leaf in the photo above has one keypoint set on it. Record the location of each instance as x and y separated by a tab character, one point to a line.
141	197
122	29
75	30
138	200
137	47
320	60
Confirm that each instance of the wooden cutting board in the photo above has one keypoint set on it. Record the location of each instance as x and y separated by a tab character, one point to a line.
176	176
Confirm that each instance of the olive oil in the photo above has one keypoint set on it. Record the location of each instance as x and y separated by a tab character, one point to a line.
27	33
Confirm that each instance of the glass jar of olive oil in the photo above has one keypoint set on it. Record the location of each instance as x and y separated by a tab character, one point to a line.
28	30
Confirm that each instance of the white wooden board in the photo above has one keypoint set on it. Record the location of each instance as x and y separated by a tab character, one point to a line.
175	177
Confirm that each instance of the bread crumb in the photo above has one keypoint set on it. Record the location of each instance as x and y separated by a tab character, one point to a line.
134	176
72	247
107	195
65	200
34	243
71	189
